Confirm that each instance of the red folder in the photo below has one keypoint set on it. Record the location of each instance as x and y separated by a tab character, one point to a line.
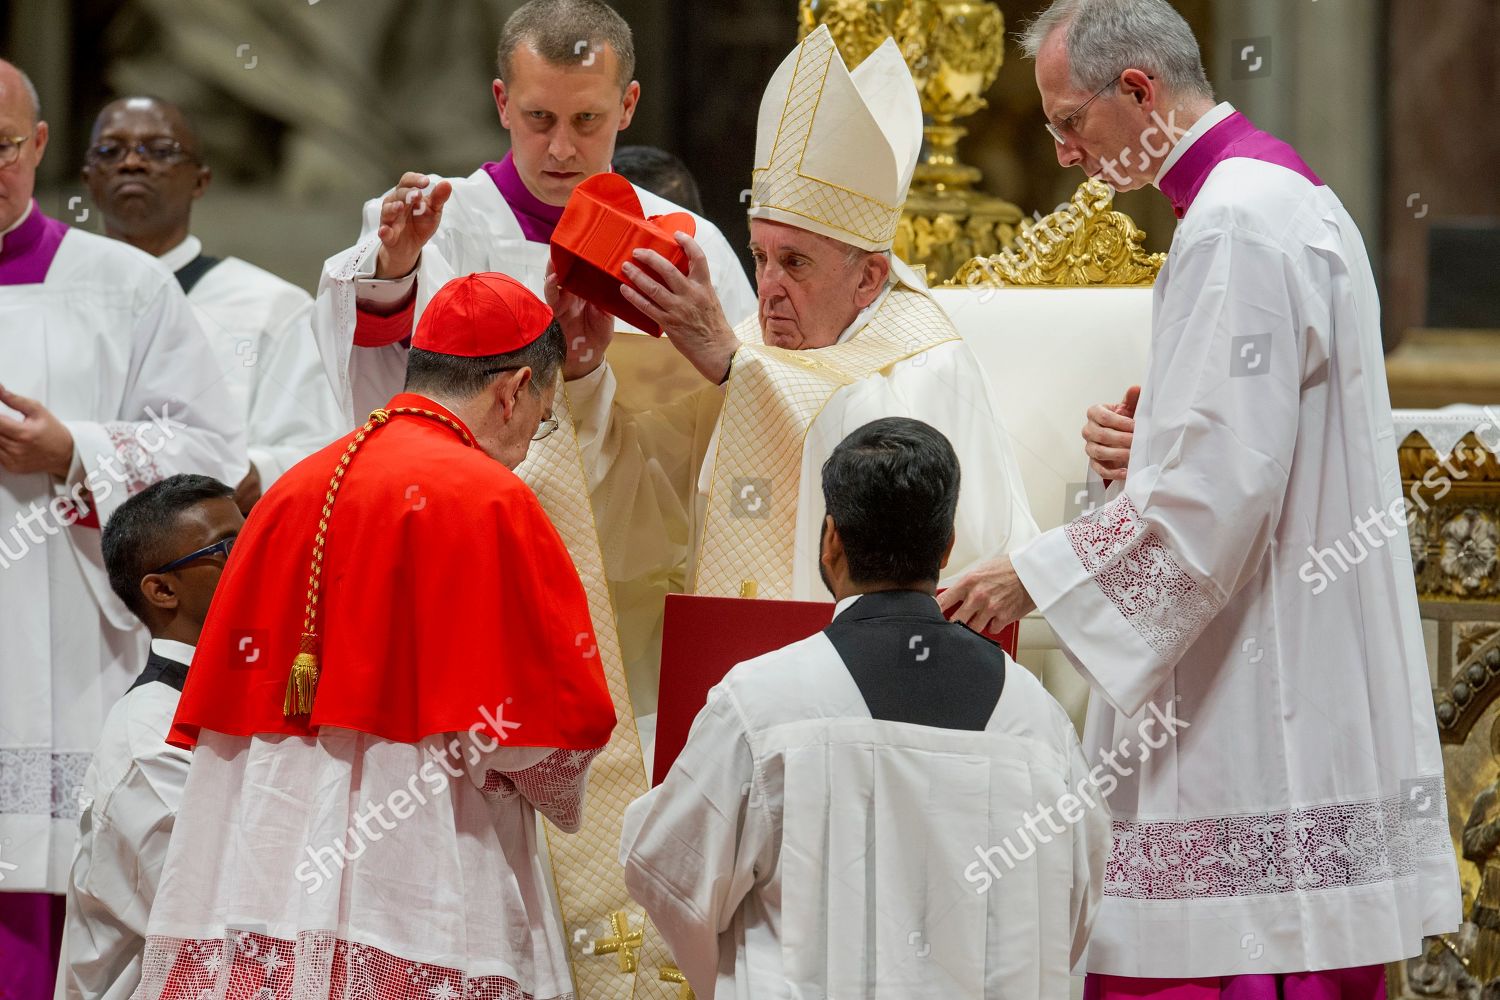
703	637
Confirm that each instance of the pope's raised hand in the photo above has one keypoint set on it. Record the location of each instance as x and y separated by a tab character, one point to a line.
587	328
686	306
409	215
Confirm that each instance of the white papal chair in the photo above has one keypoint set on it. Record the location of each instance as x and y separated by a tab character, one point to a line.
1060	320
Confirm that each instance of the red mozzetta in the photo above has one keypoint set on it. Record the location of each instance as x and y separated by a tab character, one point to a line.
447	601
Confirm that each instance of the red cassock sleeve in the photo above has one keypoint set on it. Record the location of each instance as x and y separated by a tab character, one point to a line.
448	603
372	330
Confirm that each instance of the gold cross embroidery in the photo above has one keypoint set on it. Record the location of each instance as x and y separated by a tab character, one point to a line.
672	974
623	943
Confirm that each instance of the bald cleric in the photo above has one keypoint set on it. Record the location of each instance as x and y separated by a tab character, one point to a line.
397	674
107	385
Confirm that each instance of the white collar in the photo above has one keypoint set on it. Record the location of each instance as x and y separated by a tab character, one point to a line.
864	315
182	254
845	604
1220	111
901	274
171	649
30	207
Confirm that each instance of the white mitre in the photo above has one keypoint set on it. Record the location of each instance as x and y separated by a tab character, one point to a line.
834	150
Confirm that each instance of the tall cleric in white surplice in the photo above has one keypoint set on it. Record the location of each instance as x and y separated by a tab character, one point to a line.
1291	802
106	367
1297	826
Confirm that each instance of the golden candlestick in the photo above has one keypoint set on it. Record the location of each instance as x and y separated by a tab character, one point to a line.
954	49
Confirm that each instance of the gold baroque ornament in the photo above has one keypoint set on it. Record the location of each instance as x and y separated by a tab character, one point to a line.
1085	242
1467	558
968	46
860	26
945	232
1452	516
1457	707
1471	636
1453	519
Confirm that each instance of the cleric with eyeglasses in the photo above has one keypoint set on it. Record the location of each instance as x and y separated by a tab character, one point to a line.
145	172
108	384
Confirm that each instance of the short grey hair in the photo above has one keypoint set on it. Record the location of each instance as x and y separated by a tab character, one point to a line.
854	255
1106	37
561	31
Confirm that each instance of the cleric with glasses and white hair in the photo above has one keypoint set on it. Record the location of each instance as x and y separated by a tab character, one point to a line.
1293	837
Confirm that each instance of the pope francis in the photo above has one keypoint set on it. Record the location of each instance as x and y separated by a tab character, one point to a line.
717	492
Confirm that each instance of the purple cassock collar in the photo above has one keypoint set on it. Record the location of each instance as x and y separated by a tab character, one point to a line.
1234	137
537	218
26	252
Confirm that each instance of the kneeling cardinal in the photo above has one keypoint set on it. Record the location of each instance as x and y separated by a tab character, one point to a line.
398	673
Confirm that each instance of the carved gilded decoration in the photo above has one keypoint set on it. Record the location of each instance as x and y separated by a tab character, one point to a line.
1086	242
954	49
1453	520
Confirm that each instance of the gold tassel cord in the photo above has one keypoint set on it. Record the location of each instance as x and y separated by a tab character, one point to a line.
302	684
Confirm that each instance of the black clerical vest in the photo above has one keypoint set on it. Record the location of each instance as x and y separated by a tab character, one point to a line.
913	665
159	668
193	271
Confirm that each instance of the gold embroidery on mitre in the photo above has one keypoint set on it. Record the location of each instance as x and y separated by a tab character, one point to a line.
772	398
783	186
